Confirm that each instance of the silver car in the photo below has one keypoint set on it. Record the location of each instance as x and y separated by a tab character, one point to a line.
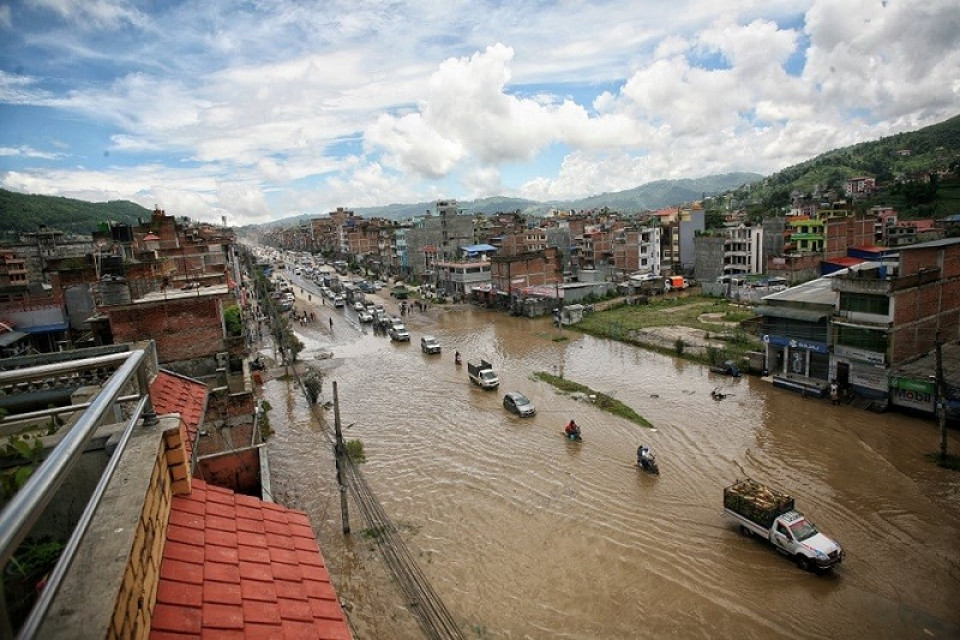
429	344
516	402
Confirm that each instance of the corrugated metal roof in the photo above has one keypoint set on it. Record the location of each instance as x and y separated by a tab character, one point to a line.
815	292
9	337
791	313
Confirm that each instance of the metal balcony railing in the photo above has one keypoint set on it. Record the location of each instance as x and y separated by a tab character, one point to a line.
25	508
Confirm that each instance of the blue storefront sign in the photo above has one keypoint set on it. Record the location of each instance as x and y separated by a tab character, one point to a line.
793	343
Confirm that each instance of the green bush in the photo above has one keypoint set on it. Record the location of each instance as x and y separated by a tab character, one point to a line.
355	451
231	317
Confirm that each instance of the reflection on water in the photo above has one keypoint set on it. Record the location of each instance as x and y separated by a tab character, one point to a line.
525	535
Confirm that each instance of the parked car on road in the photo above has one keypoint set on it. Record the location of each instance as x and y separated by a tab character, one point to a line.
516	402
429	344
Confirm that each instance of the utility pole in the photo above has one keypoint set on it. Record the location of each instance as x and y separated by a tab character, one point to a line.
340	454
559	309
941	401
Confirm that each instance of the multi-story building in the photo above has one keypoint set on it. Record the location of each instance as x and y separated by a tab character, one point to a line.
637	251
859	325
888	314
859	187
516	271
884	216
731	252
458	278
446	232
680	227
743	250
841	233
804	235
13	270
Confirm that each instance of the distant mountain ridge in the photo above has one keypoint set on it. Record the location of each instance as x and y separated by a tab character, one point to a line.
650	196
909	153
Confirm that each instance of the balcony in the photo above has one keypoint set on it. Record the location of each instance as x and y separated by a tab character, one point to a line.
76	463
844	284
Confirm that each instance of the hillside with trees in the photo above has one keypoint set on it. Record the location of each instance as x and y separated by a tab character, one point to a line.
23	213
896	162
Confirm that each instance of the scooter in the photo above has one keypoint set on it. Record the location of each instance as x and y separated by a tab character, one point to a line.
648	464
572	437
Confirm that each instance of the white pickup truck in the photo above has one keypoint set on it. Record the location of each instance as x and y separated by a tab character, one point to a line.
769	514
482	374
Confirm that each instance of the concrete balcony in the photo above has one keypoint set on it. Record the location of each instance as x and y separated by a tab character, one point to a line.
873	285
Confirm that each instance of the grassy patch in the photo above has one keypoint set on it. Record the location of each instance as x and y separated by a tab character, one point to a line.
603	401
627	324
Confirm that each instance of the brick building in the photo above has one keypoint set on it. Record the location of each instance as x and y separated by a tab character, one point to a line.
889	314
532	268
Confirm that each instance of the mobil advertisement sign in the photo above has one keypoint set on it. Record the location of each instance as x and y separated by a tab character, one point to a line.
913	394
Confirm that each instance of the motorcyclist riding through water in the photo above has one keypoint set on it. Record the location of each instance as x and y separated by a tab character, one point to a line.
644	456
572	429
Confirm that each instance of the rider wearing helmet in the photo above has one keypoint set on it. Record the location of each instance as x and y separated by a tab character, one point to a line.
643	455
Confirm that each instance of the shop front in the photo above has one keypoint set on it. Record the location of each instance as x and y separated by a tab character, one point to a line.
799	365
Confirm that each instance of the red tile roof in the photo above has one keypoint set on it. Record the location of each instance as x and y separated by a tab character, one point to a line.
237	567
173	393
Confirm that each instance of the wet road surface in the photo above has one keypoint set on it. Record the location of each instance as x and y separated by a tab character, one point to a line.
524	535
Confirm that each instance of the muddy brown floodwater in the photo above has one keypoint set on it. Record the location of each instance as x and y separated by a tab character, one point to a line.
524	535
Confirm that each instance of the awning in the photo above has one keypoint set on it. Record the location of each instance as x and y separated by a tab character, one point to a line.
791	313
48	328
9	337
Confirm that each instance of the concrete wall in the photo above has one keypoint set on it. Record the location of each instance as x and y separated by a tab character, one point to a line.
708	264
110	590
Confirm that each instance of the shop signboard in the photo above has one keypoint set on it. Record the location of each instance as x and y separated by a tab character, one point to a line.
913	394
869	377
862	355
795	343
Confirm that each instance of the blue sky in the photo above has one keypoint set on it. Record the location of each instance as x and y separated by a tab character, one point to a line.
261	110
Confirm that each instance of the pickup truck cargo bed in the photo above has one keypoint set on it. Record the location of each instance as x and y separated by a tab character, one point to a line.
757	502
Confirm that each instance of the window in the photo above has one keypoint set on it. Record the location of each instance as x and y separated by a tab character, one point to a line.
862	338
865	303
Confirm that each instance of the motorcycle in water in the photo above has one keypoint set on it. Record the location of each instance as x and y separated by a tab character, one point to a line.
572	437
648	463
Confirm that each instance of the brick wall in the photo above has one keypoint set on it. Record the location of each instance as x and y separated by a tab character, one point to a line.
183	329
238	471
921	311
133	611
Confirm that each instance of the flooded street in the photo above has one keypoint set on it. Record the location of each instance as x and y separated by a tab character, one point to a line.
524	535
